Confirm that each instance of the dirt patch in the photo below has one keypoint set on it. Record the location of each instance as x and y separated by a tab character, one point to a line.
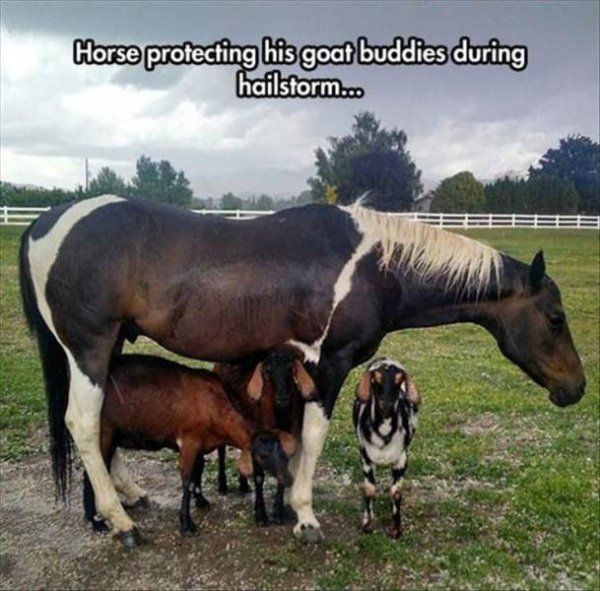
44	545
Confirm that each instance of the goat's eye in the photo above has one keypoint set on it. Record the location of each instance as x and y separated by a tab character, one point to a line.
556	321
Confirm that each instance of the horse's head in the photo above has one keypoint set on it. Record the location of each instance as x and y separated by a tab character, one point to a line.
532	331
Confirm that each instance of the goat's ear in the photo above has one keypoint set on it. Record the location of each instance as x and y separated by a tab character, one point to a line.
363	389
244	464
256	384
412	394
537	269
288	443
305	383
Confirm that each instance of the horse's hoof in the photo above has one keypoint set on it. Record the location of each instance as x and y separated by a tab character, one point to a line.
394	532
130	539
308	534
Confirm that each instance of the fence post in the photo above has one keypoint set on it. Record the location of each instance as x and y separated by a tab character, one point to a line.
237	214
441	220
5	214
489	220
513	222
535	220
578	222
556	221
466	221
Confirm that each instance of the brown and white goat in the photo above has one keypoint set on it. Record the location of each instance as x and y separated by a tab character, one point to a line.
152	403
385	420
272	394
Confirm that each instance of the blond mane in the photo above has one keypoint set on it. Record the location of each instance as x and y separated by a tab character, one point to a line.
461	263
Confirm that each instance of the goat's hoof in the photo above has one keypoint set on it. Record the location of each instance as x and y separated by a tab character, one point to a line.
141	503
99	525
308	534
130	539
367	528
262	521
202	503
189	530
394	532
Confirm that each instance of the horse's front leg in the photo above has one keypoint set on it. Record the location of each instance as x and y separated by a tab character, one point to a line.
315	427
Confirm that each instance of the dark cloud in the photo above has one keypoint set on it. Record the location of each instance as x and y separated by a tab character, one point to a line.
481	117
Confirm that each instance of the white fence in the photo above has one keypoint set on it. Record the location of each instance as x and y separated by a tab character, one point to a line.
22	216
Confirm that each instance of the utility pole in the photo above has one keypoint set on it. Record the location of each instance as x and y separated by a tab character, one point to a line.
87	175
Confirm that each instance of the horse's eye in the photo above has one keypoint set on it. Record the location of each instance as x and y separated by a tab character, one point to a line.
556	321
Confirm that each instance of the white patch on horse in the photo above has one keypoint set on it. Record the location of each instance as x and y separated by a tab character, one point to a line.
44	250
341	288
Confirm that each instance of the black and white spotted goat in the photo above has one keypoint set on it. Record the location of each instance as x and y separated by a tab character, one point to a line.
385	419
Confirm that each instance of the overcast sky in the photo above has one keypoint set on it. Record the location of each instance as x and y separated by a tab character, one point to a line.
487	119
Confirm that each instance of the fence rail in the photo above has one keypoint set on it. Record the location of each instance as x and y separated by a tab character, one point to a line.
22	216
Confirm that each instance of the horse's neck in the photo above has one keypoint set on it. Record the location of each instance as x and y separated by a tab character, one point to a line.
438	304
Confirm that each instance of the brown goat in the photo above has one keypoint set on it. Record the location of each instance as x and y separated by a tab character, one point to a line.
152	403
271	394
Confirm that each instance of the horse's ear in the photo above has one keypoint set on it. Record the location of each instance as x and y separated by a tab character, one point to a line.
363	389
537	269
412	394
255	386
305	383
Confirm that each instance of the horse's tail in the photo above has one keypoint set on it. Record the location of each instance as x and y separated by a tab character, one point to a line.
56	374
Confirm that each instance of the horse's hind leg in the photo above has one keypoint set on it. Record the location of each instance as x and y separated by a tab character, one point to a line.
83	421
135	496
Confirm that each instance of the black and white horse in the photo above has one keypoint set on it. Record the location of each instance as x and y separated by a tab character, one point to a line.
332	281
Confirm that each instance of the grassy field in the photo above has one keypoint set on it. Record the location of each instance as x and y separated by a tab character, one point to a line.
502	488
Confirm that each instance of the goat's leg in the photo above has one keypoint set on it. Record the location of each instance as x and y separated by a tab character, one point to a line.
398	470
199	498
187	462
279	513
260	511
245	459
369	491
89	506
223	488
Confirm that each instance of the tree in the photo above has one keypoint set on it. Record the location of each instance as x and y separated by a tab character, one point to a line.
542	194
461	193
370	160
159	181
107	182
577	159
230	201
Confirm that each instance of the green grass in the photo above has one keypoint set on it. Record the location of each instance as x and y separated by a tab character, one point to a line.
502	488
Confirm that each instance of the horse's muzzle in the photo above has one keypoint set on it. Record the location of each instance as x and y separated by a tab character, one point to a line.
566	396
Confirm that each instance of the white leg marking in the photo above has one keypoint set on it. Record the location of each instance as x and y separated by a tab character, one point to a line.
293	466
123	481
314	431
83	421
85	399
342	287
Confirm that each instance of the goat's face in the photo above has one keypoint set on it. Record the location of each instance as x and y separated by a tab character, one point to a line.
387	382
286	374
269	453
